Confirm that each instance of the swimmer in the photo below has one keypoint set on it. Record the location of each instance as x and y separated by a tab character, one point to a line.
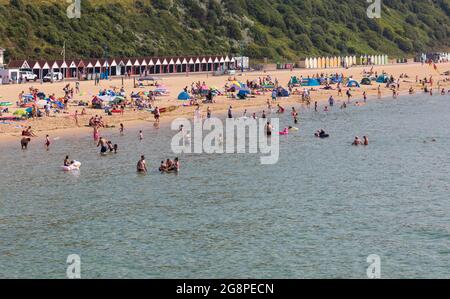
365	140
142	165
357	141
67	162
162	167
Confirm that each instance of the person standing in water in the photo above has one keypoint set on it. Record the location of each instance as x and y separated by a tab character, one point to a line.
295	115
122	129
142	165
96	133
269	128
141	135
103	144
315	106
208	112
379	92
47	142
365	96
230	112
24	142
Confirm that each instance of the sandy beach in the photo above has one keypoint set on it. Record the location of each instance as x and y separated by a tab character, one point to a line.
64	123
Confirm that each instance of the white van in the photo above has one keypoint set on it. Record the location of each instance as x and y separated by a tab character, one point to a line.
58	76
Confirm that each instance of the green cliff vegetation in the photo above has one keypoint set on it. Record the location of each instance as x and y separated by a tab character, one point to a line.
273	29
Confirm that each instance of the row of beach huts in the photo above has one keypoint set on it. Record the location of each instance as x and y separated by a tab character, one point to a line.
346	61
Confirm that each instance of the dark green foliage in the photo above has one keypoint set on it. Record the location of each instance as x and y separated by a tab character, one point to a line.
271	29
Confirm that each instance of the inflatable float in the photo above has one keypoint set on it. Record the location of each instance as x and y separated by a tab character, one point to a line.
285	132
74	166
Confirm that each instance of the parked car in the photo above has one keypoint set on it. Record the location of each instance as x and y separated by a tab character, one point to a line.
56	77
27	76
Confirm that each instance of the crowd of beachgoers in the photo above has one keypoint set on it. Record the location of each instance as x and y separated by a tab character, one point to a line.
95	110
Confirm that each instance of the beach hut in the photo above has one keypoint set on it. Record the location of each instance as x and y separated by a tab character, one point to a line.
306	63
314	63
327	62
335	62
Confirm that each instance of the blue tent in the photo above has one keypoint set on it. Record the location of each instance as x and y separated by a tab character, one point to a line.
242	94
382	79
353	83
184	96
282	93
311	82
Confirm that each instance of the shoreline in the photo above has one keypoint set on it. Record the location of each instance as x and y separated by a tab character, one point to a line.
64	125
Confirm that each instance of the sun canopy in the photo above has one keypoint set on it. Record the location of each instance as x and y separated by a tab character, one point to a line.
184	96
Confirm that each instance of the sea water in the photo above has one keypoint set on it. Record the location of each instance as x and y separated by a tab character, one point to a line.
318	213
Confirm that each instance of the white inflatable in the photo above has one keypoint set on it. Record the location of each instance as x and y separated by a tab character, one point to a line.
75	166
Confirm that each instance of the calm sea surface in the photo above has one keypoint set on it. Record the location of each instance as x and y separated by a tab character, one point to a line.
318	213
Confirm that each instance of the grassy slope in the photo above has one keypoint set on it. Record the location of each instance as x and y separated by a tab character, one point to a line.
275	29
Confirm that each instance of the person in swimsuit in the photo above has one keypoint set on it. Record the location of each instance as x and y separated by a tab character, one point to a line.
365	140
269	129
157	114
122	129
141	165
357	141
24	142
162	167
96	133
103	144
67	162
47	142
294	115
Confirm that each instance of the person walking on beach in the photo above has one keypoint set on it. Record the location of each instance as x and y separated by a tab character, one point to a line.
230	112
141	165
77	87
157	114
349	95
76	118
47	142
379	92
121	130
